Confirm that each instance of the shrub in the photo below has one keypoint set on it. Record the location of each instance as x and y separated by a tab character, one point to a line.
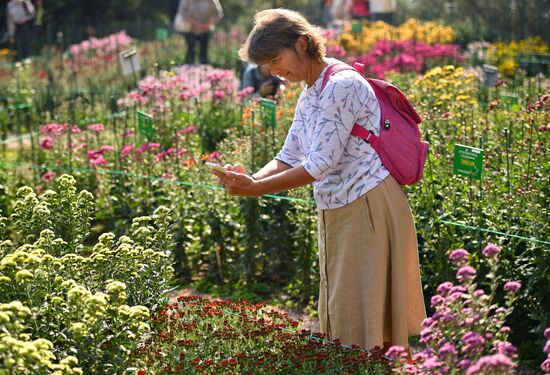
61	299
467	332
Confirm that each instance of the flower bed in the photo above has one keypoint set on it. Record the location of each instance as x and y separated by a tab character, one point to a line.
199	335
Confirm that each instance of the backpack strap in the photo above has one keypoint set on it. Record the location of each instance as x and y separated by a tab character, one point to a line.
357	129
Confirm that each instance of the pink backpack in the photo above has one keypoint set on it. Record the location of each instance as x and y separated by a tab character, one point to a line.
399	145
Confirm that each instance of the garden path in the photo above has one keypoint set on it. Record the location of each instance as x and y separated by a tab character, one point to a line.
306	322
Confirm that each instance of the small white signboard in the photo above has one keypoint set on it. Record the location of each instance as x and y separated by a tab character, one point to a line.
129	61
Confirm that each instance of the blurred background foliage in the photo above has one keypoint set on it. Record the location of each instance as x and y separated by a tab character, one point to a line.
491	20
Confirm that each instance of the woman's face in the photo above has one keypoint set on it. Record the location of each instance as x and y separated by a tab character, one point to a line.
289	65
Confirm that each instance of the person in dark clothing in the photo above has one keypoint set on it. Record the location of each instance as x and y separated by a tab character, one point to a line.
172	11
196	20
21	16
260	78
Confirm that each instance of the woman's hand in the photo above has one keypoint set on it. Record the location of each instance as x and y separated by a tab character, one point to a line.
237	182
238	167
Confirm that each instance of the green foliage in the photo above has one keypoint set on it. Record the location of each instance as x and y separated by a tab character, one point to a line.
63	211
19	354
490	19
89	303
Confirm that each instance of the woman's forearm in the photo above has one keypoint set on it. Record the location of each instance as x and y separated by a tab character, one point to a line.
273	167
286	180
241	184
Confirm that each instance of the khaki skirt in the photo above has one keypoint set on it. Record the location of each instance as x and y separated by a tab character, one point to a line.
370	289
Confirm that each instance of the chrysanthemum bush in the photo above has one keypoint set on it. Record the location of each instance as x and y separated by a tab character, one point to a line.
467	332
373	32
407	56
199	335
60	298
507	55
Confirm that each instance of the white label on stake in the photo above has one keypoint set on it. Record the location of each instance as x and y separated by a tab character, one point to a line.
129	61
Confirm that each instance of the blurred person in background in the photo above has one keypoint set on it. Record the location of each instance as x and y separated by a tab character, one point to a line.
383	10
340	11
360	10
172	11
260	78
21	16
196	20
326	9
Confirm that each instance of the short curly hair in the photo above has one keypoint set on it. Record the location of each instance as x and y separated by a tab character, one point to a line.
278	29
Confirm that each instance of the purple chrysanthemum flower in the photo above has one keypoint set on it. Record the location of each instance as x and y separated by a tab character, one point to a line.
512	286
446	350
472	340
411	369
458	255
431	363
547	333
496	363
465	273
455	296
464	364
436	300
458	288
443	288
546	365
506	348
491	250
395	352
478	293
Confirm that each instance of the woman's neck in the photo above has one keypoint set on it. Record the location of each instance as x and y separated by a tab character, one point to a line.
313	71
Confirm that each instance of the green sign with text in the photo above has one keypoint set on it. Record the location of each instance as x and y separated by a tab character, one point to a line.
356	26
468	161
145	125
510	101
268	112
161	33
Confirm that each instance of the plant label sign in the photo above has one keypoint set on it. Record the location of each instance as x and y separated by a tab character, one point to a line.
129	62
510	100
356	26
161	33
468	161
145	125
17	107
490	75
268	112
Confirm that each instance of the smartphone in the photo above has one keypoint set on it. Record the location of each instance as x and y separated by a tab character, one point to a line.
215	166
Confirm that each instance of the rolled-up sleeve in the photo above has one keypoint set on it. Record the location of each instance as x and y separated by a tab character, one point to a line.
339	106
291	153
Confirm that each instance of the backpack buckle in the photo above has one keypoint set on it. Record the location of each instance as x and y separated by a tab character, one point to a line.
371	133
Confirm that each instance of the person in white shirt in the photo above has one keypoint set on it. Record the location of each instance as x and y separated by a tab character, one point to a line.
20	22
383	10
370	291
196	20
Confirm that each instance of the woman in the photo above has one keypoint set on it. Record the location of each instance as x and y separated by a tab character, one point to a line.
196	20
370	292
21	18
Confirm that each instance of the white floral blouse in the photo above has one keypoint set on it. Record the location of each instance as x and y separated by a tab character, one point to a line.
345	167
